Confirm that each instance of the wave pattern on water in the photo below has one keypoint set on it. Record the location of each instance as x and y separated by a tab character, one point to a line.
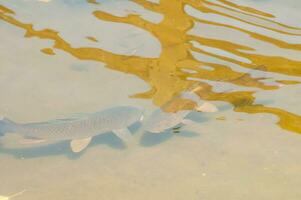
181	66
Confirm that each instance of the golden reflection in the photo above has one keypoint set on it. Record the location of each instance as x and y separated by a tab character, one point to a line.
247	9
288	82
48	51
92	1
166	74
221	118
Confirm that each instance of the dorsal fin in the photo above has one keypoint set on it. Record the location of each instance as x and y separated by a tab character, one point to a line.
77	145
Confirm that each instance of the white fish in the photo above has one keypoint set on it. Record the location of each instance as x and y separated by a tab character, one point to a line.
79	130
159	121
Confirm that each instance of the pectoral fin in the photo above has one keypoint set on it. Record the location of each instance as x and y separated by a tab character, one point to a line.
124	134
206	107
77	145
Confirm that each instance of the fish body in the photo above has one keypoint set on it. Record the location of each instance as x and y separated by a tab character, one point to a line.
115	119
86	126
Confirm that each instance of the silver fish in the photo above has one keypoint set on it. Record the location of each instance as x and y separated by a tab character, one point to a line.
160	121
79	130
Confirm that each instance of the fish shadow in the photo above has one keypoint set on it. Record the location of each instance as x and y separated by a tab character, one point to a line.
152	139
63	148
198	117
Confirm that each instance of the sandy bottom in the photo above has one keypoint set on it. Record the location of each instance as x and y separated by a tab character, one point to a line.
242	157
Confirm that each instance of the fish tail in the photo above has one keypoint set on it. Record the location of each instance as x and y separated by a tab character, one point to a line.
6	125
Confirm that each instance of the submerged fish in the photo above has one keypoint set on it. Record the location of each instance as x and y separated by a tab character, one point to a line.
160	120
79	130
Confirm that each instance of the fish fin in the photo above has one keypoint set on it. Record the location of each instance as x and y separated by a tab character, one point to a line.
206	107
124	134
77	145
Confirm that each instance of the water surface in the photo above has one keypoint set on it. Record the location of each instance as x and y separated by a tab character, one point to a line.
63	57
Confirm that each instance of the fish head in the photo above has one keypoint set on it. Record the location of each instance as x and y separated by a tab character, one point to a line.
161	121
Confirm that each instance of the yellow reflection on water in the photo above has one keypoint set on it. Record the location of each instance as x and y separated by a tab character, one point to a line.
166	74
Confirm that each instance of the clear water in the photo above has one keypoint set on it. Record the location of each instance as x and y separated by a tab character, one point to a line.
74	56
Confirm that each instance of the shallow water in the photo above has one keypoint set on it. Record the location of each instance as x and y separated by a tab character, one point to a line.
73	56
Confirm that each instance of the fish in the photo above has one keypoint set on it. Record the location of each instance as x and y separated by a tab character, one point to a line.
160	120
79	129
